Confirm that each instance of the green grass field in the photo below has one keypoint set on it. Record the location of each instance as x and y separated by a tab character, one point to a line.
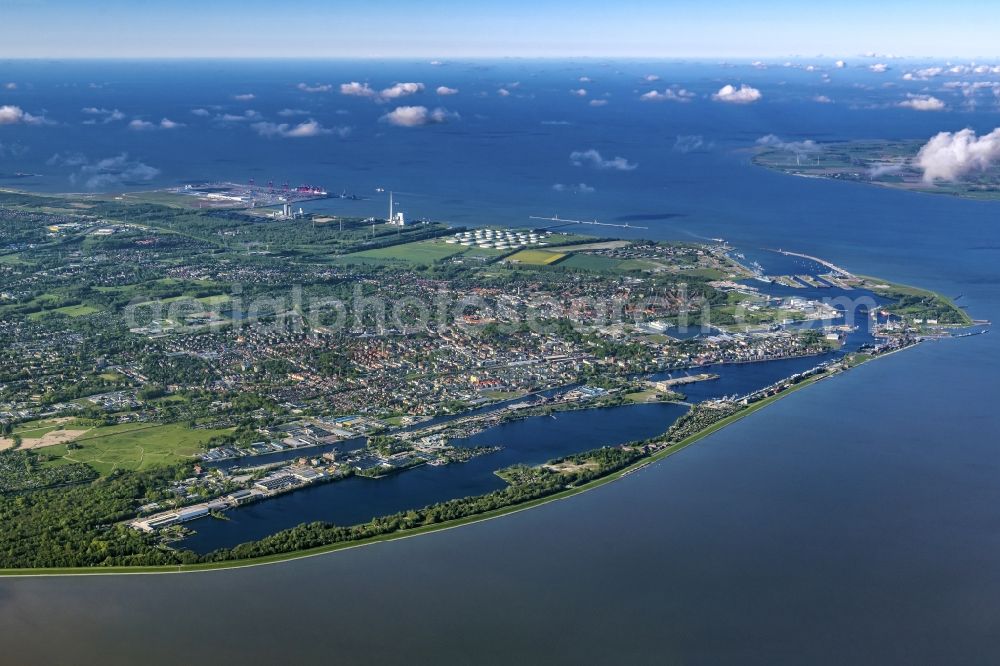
648	395
419	252
536	257
77	310
640	265
892	289
591	262
134	446
218	299
13	260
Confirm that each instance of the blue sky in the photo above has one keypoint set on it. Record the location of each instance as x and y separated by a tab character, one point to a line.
546	28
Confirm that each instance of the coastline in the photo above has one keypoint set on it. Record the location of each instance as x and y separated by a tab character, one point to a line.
420	531
910	187
488	515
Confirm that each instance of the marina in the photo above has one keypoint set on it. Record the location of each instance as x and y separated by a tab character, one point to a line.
355	500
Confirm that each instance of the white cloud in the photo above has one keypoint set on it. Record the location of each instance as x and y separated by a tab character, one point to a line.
879	170
579	188
395	91
797	147
950	70
688	143
10	85
874	54
579	92
445	90
317	88
355	89
968	87
651	78
309	128
879	67
584	79
840	64
742	95
285	113
415	116
249	114
922	103
593	158
140	125
13	115
950	156
503	92
673	94
109	115
822	99
244	97
972	88
201	112
923	74
104	173
598	102
401	90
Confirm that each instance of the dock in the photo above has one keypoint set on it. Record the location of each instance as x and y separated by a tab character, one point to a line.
667	384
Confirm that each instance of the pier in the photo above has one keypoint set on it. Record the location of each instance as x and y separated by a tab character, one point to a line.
565	223
823	262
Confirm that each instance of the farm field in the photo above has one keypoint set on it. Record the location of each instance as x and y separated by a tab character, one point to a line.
536	257
79	310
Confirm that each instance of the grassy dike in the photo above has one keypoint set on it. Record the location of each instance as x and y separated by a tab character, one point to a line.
404	534
896	289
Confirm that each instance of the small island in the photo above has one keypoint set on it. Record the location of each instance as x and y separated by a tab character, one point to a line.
883	163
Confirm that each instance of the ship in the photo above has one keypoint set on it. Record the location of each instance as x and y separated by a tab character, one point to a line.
758	272
310	190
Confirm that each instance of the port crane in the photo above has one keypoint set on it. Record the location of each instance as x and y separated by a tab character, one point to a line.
566	222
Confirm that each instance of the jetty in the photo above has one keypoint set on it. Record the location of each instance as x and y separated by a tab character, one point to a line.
840	272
